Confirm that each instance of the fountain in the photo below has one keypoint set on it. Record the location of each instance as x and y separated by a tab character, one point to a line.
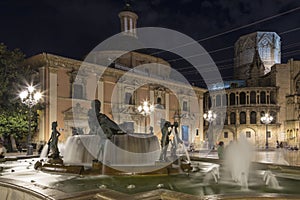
99	168
109	150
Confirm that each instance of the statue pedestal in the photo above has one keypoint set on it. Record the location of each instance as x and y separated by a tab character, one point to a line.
162	163
55	161
97	165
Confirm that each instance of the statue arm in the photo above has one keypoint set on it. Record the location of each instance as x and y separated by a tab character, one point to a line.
58	133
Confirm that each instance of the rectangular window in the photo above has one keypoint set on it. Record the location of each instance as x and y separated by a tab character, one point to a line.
225	134
185	133
77	91
248	134
128	98
184	106
269	134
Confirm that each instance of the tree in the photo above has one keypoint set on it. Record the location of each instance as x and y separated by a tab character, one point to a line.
13	114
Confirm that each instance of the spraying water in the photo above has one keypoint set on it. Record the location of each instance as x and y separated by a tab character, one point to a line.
238	158
270	180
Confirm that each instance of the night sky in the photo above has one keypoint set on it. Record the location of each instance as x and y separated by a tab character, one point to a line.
72	28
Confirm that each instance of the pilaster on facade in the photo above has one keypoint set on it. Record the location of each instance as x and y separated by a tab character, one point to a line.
167	105
52	94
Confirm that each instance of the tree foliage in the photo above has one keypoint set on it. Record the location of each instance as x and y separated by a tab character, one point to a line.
13	114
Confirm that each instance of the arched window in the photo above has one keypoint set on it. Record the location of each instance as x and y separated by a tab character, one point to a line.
232	99
272	97
242	117
232	118
242	98
226	119
218	100
224	100
262	97
253	117
252	97
273	114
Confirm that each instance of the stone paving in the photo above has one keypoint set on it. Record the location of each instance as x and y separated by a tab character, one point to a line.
18	186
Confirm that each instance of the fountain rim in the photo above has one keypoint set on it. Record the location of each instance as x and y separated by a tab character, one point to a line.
39	193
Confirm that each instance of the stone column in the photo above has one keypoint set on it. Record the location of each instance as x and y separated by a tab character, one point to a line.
152	114
125	24
237	117
43	133
167	106
201	120
247	117
101	93
130	25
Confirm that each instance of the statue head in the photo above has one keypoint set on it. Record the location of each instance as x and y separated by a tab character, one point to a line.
167	124
96	105
176	124
54	124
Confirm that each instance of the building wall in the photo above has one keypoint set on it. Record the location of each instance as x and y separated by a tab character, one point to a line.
62	82
243	105
282	102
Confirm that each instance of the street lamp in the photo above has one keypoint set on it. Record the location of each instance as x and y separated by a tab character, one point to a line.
145	109
30	97
210	116
266	119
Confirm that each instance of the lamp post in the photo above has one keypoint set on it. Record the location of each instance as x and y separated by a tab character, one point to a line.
30	97
145	109
210	116
266	119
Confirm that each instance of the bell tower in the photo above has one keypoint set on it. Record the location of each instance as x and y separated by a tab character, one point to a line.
128	19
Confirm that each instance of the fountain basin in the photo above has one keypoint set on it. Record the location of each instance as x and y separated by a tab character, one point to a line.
197	185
